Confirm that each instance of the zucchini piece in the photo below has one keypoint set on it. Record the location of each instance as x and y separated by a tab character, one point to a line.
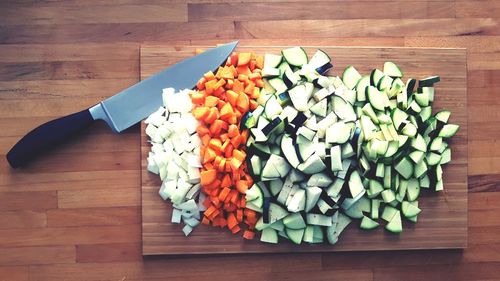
295	235
312	196
269	235
392	69
295	56
448	130
375	77
272	61
413	190
405	168
375	209
429	81
368	224
395	225
294	221
350	77
377	99
443	116
361	86
410	209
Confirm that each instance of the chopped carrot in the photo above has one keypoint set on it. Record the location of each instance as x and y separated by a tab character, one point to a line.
208	177
211	101
221	99
248	234
235	229
244	58
243	103
200	113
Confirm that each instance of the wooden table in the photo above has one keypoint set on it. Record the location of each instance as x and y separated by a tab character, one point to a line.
75	214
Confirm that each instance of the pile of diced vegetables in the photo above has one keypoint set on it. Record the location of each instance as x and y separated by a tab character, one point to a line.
271	144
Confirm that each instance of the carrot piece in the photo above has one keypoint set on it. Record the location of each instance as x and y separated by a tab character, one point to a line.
243	202
241	77
214	185
244	58
235	229
228	72
254	76
205	139
200	113
259	61
207	177
217	74
253	104
244	134
242	186
205	221
209	211
234	58
197	98
243	103
209	76
222	165
249	88
233	120
229	84
215	144
252	65
236	141
226	111
200	85
202	130
209	156
223	194
238	86
228	152
212	116
243	70
235	164
248	234
233	131
239	215
216	127
226	181
211	101
231	220
259	83
238	154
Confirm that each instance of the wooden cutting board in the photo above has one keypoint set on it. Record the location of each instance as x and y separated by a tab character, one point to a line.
443	221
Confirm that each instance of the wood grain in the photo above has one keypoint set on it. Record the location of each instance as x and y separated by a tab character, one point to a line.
443	223
45	42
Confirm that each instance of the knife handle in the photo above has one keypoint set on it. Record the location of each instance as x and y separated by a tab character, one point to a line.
48	135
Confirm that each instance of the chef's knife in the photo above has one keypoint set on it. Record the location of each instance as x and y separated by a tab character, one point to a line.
123	109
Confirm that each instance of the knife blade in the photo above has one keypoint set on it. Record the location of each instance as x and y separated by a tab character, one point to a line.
122	110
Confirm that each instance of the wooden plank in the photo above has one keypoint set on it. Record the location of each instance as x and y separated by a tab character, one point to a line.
368	27
42	200
116	252
37	255
53	180
98	198
468	271
162	269
485	183
474	44
320	10
14	273
472	9
71	162
114	32
52	236
67	70
94	216
57	89
22	219
49	14
444	217
18	53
